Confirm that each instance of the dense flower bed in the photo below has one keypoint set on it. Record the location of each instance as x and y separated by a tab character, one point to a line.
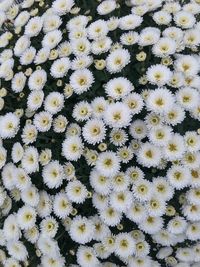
100	133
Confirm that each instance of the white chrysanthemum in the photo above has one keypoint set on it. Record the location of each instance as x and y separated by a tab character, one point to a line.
60	67
76	191
117	115
191	38
162	188
118	88
42	55
37	80
51	23
30	196
160	135
162	17
11	228
175	115
32	234
138	129
164	47
187	64
151	225
22	180
9	125
30	159
18	82
156	206
106	7
193	231
94	131
101	184
72	148
173	33
164	252
43	121
22	19
8	175
100	202
121	201
98	105
35	99
3	156
11	261
52	39
80	47
53	261
48	246
29	134
184	19
108	163
117	60
54	102
81	230
21	45
79	21
44	207
49	227
137	212
158	74
17	250
177	225
28	56
62	7
97	29
62	206
34	26
101	46
193	196
135	102
82	111
53	174
86	256
124	245
149	155
142	190
26	217
130	22
174	148
179	177
188	98
81	62
129	38
149	36
81	80
110	216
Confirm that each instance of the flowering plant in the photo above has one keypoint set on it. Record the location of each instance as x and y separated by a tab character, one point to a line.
99	138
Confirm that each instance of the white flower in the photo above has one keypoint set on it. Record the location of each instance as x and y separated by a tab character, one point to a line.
106	7
158	74
18	82
117	60
188	98
43	121
22	180
118	88
21	45
76	192
62	7
177	225
149	155
54	102
164	47
60	67
149	36
34	26
72	148
184	19
9	125
35	99
51	23
17	250
53	174
82	110
42	55
110	216
81	80
30	159
30	196
108	163
101	184
94	131
17	152
142	190
121	201
86	256
29	134
11	228
49	227
26	217
187	64
179	177
130	22
37	80
52	39
162	17
97	29
62	206
3	156
48	246
124	245
22	19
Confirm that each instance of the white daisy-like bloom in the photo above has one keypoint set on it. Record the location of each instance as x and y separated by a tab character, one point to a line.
44	207
188	98
51	23
162	17
158	74
191	212
149	155
106	7
81	46
53	261
34	26
60	67
17	250
49	227
35	99
184	254
76	191
27	56
130	22
11	228
82	111
42	121
81	80
129	38
81	230
98	105
138	129
22	180
30	196
101	230
173	33
101	184
192	7
3	156
9	125
174	148
101	46
137	212
142	249
179	177
30	159
193	231
164	47
26	217
120	182
118	88
97	30
175	115
18	82
32	234
164	252
142	190
135	102
191	38
184	19
48	246
77	22
72	148
149	36
108	163
62	7
86	256
52	39
193	196
29	134
53	174
117	60
37	80
11	261
22	19
187	64
54	102
164	238
42	55
8	176
117	115
94	131
160	135
99	201
61	205
21	45
177	225
110	216
162	188
124	245
156	206
121	201
151	225
140	262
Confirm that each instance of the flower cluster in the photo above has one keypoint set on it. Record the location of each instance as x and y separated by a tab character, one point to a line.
99	138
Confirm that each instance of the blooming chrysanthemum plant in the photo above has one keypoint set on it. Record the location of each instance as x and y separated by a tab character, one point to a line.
100	133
